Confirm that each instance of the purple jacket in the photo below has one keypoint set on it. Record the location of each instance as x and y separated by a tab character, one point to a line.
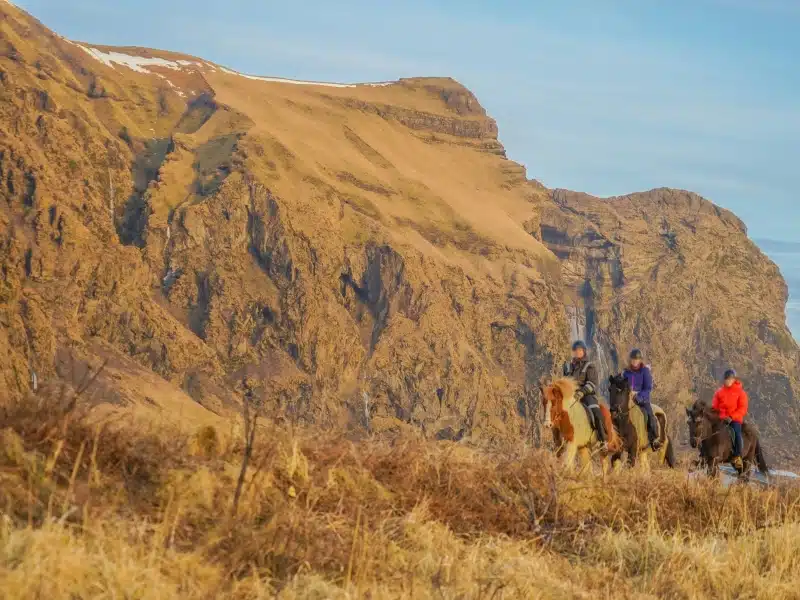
641	383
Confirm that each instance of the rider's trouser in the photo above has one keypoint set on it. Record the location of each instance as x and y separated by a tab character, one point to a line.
738	444
650	419
591	403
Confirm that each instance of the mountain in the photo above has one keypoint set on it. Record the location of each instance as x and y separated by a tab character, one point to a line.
362	254
358	256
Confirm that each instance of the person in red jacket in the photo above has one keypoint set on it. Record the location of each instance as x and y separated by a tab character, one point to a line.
730	402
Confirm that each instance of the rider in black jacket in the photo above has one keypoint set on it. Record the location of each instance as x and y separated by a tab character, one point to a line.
585	373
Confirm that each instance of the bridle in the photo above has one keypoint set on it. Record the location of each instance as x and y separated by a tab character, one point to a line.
555	419
697	421
623	409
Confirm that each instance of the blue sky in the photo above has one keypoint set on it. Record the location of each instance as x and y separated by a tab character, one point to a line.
603	96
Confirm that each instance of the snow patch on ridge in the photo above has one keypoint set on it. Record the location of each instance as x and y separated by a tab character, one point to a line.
135	63
143	64
298	82
140	64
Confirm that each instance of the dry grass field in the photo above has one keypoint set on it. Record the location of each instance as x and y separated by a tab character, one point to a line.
109	509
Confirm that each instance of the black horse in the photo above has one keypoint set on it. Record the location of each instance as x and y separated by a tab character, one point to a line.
713	438
630	422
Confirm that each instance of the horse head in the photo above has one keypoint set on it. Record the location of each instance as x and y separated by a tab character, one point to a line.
619	396
701	421
553	397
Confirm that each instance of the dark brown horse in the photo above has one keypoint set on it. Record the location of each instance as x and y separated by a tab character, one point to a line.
631	423
712	437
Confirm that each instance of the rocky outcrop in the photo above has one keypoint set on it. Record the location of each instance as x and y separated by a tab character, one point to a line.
677	276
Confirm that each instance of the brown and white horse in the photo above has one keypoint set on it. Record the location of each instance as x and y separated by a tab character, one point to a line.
567	418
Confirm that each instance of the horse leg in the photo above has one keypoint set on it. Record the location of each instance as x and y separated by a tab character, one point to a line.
616	462
746	465
586	460
633	454
605	465
645	461
569	457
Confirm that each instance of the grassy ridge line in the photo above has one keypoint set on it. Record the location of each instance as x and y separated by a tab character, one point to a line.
96	511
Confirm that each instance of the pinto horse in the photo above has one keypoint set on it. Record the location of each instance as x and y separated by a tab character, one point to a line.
630	421
712	437
568	420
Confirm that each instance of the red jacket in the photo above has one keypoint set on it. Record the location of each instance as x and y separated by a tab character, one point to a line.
731	402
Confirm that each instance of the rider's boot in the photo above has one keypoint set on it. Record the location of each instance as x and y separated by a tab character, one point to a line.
738	464
600	428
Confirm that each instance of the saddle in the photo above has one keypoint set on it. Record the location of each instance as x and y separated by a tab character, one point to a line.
592	414
732	435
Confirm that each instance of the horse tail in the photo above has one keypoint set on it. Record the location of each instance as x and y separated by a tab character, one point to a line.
760	460
669	455
614	441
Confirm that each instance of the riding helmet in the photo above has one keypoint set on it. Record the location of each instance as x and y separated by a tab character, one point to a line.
636	354
579	344
729	374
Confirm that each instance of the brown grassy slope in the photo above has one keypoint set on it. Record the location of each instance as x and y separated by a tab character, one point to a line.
361	252
672	273
102	510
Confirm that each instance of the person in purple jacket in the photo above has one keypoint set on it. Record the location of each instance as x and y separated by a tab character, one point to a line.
641	380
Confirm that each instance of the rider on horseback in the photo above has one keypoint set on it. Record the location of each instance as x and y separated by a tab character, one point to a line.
585	373
730	402
641	380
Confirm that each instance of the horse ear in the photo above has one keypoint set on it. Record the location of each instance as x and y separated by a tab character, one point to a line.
611	379
688	412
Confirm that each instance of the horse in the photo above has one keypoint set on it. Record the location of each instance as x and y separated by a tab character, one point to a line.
569	421
630	421
712	436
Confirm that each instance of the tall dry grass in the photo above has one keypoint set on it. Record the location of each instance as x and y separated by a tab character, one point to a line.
112	510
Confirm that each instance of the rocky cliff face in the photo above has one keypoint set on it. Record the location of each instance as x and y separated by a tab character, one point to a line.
359	256
677	276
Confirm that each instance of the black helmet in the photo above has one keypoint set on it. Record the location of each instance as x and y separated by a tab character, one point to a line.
636	353
729	374
579	344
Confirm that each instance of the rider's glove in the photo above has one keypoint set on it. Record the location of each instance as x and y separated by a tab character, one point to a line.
728	420
579	394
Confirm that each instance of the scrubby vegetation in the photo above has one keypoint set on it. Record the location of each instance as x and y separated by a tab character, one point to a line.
96	508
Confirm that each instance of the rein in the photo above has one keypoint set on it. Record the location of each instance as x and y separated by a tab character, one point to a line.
713	433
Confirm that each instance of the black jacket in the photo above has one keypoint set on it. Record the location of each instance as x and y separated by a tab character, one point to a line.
585	373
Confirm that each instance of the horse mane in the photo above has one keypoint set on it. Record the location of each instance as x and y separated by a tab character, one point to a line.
619	380
567	386
702	408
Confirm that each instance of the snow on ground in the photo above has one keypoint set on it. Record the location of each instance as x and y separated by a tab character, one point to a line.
142	64
135	63
139	64
297	82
